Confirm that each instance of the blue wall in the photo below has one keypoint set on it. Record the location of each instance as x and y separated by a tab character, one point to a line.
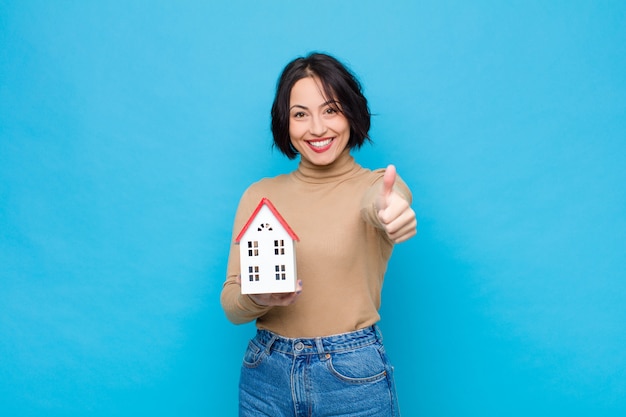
128	131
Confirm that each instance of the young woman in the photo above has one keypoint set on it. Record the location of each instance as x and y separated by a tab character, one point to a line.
318	351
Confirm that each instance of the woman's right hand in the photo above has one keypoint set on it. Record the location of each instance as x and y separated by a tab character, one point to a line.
276	299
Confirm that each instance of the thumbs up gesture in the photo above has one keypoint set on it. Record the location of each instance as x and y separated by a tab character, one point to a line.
394	212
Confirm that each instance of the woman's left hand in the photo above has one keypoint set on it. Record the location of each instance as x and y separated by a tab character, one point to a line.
394	212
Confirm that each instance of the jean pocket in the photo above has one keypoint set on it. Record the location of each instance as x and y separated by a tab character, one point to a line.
253	356
359	366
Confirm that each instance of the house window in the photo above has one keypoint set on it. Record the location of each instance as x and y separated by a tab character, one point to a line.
253	248
279	247
253	273
280	272
264	226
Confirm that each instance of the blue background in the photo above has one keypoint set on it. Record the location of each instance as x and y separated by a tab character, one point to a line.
128	131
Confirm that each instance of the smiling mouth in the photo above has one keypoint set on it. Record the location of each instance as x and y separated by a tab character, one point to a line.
320	143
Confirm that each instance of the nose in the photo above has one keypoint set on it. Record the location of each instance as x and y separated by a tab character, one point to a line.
317	126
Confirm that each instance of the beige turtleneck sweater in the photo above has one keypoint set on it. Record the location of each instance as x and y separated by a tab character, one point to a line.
341	257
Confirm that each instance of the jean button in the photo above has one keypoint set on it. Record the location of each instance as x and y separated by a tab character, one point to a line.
299	346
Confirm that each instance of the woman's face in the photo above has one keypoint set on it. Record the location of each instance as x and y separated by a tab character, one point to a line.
318	131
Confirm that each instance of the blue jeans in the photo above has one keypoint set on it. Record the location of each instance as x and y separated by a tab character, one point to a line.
342	375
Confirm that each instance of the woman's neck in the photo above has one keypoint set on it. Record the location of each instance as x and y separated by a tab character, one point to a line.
341	167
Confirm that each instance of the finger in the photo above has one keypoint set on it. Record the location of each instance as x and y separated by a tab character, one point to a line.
403	226
396	205
282	300
405	232
286	299
290	298
399	238
261	299
389	179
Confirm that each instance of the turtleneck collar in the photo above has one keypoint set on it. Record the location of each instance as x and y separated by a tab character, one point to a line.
344	166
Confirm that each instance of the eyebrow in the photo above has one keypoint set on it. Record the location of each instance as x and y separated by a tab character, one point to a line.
326	103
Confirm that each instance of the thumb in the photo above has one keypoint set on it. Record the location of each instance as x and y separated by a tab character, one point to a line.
389	179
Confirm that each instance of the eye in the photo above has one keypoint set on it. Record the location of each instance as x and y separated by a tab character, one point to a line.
298	115
332	108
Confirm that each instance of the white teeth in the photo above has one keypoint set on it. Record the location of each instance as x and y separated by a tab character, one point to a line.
321	143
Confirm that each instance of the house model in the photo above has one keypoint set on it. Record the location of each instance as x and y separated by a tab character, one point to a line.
267	252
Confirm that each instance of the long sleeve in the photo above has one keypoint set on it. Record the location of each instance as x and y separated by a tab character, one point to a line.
239	308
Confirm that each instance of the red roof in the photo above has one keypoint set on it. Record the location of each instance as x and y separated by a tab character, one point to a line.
268	203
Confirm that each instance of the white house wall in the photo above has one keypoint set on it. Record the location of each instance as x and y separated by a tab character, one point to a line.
266	260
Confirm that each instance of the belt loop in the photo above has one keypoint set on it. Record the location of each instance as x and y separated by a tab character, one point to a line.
268	348
378	333
320	348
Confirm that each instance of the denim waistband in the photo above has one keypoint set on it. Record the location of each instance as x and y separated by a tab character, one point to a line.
319	345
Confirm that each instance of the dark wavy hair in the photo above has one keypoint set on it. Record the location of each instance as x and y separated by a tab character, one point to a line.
338	83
